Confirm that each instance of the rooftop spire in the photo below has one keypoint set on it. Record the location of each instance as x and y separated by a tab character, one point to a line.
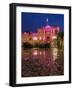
47	21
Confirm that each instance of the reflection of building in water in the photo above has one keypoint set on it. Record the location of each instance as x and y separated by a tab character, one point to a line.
45	34
41	54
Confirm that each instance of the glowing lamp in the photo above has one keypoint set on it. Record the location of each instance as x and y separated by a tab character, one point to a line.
40	38
34	38
54	37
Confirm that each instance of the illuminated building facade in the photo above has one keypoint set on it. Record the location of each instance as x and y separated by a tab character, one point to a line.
45	34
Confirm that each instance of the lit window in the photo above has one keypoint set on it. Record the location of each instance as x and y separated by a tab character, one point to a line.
40	38
34	38
54	37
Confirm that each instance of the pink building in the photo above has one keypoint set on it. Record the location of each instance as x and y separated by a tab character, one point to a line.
45	34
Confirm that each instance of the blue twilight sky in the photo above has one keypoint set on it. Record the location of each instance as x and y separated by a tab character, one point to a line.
32	21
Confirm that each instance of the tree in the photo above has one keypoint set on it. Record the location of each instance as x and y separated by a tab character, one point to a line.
60	39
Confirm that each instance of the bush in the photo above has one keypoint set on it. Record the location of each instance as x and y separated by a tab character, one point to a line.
46	45
27	45
36	45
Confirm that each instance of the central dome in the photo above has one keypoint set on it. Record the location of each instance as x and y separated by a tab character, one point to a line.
48	26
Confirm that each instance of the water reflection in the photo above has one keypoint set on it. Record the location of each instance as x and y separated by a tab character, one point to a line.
35	53
55	53
42	62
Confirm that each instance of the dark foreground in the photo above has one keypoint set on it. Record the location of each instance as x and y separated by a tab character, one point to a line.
42	62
